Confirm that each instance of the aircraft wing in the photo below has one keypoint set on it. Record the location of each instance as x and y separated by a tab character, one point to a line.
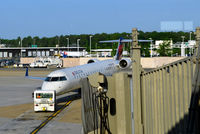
31	77
124	40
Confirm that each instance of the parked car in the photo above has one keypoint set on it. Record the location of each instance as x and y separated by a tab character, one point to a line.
46	62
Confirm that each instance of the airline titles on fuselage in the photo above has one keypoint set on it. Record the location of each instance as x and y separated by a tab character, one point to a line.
110	66
77	72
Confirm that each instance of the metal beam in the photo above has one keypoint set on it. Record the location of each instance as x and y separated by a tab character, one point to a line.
136	71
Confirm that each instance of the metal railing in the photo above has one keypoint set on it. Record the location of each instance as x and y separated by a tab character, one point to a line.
166	95
169	97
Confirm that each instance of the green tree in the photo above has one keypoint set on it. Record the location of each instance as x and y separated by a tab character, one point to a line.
176	51
145	49
114	49
27	41
164	49
84	42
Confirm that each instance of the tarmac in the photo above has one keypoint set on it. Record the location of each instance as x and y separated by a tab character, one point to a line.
16	106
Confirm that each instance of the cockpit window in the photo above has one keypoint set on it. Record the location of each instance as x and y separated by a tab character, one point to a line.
48	79
52	79
63	78
55	79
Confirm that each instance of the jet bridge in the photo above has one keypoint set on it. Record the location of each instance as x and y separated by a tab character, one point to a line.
164	100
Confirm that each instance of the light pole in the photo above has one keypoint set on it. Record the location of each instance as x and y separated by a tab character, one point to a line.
34	42
171	46
190	44
151	47
190	35
68	43
58	41
78	46
96	51
21	46
182	46
58	46
90	44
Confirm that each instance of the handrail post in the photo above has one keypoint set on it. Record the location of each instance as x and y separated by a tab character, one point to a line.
136	72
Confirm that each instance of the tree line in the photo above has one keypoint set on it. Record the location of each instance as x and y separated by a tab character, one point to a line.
62	40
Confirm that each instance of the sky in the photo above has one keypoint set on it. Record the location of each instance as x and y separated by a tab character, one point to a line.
48	18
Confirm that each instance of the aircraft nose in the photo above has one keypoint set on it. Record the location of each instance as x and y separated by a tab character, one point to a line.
49	86
52	86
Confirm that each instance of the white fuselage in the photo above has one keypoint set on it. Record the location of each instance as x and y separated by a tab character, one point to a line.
68	79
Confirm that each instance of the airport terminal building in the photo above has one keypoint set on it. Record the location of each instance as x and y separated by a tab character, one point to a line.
17	52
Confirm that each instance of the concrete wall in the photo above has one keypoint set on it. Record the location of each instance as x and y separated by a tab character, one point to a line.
146	62
26	60
158	61
70	62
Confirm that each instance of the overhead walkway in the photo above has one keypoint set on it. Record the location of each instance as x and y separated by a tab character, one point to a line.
160	101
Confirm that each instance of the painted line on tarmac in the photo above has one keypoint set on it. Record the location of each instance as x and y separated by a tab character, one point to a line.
37	129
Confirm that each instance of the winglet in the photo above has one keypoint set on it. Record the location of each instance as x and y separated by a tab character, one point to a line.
119	50
26	74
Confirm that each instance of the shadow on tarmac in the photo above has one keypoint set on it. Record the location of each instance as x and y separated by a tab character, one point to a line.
61	101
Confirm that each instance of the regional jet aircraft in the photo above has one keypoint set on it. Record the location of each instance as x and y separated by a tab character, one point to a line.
68	79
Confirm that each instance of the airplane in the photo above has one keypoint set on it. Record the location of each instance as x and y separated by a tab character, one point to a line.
68	79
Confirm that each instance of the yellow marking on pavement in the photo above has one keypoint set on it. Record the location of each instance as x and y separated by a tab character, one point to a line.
49	118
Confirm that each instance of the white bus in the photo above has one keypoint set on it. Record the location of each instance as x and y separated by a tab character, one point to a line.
44	100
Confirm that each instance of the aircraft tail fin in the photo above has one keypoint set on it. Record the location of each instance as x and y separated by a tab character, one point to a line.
118	55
